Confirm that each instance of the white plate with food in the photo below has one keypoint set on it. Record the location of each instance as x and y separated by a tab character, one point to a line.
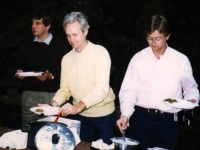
45	110
180	103
29	74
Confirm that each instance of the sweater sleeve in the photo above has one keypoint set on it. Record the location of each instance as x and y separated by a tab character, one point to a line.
63	94
100	89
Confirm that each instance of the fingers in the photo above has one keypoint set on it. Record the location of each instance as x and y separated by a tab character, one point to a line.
47	71
41	78
43	105
192	100
46	75
122	123
40	105
121	126
19	70
67	109
60	110
17	75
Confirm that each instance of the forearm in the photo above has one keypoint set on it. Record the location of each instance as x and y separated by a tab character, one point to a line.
80	106
53	103
69	109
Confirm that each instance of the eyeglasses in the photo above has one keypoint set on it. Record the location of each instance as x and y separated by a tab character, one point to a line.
156	39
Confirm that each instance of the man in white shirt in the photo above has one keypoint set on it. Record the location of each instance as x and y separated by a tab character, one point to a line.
154	74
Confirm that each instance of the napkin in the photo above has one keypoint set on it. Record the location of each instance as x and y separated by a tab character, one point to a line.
14	140
99	144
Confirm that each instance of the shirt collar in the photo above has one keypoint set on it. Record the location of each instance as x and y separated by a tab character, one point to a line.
47	40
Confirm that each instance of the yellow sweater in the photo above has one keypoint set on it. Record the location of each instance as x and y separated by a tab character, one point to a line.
85	76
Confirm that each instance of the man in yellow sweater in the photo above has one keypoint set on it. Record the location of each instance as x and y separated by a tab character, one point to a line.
85	75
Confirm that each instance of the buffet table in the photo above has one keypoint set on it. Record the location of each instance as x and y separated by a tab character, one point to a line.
80	146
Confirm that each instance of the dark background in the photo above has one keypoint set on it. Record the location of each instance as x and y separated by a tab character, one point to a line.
115	24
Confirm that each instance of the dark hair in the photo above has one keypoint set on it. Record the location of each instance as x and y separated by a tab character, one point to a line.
159	23
46	18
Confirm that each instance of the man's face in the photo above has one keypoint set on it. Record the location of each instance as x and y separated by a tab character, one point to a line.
76	36
157	41
38	28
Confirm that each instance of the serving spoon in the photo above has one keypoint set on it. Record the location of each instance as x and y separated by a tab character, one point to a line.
58	116
123	135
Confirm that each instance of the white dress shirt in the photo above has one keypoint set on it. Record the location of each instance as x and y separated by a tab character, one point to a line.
148	81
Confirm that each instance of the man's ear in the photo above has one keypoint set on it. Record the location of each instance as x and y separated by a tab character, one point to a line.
85	32
168	37
48	27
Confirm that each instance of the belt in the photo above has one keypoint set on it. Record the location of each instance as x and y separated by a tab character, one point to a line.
158	112
149	110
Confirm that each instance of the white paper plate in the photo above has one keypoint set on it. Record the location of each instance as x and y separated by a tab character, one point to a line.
157	148
46	110
26	74
181	103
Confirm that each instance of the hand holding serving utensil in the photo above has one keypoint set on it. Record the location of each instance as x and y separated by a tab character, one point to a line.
58	116
123	135
192	100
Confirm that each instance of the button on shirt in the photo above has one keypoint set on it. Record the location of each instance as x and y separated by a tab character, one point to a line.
148	81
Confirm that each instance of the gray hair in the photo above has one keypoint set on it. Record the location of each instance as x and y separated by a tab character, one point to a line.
76	16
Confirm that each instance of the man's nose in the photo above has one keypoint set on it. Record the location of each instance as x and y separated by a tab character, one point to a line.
153	42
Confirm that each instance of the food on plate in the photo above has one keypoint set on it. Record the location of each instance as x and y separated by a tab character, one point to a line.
180	103
39	110
192	100
46	110
170	100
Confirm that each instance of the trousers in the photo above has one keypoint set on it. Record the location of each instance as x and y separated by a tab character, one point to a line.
154	129
31	99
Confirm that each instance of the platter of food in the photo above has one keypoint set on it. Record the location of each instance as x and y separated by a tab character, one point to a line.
180	103
45	110
29	74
